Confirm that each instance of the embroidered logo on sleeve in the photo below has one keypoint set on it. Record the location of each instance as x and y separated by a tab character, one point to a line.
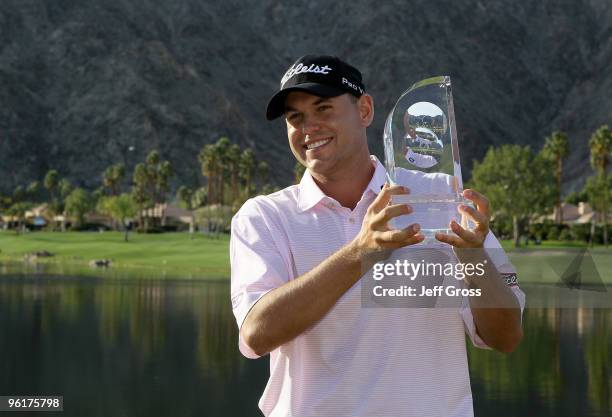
511	279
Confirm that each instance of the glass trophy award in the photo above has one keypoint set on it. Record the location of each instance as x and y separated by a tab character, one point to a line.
422	153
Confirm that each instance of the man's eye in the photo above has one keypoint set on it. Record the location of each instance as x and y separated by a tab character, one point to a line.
323	108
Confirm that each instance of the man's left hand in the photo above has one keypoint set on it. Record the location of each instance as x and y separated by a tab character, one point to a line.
466	238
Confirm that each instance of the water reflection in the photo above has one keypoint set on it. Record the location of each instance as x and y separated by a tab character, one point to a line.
155	347
117	347
562	368
114	272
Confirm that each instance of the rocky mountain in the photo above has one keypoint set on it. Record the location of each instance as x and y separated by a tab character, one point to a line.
82	81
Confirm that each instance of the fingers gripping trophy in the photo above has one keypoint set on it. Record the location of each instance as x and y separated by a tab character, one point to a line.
421	148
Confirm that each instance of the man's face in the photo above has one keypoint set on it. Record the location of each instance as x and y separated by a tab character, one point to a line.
325	134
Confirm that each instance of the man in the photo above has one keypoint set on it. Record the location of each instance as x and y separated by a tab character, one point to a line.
298	257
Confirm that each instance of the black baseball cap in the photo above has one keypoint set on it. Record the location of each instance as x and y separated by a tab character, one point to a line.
321	75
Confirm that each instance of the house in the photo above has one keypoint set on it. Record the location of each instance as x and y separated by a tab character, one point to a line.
169	215
572	214
94	217
38	216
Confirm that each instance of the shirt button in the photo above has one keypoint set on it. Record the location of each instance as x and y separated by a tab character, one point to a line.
351	220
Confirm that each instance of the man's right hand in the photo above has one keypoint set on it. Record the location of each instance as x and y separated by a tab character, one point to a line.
287	311
376	235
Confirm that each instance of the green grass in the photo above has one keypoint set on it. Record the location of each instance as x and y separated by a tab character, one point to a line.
174	255
548	266
547	262
170	254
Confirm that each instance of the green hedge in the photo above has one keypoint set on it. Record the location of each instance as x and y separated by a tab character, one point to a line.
567	233
548	230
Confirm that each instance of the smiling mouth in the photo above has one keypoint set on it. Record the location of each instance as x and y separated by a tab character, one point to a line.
317	144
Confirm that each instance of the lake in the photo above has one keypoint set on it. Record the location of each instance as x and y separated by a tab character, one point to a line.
152	347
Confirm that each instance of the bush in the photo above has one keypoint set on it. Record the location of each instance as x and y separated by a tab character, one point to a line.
214	218
599	234
582	232
566	235
91	227
151	230
548	230
554	231
502	227
537	231
544	228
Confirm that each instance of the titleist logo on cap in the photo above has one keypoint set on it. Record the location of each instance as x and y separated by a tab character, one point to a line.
301	68
319	75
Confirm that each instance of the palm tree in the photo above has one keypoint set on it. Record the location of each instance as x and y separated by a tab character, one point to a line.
5	202
233	160
247	168
221	148
18	207
33	190
112	176
555	149
209	162
601	152
51	183
263	169
165	172
19	195
153	181
152	170
65	188
185	195
139	191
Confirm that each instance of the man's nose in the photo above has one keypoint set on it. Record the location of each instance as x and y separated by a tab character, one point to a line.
309	125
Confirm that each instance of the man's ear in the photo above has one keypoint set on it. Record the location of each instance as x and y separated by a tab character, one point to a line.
366	109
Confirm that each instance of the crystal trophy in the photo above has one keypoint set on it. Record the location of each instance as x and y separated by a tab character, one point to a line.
422	153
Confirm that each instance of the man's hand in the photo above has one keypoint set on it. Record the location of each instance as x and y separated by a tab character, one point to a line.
375	234
287	311
480	216
497	313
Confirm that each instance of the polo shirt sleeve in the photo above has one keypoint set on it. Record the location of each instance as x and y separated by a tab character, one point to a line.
508	271
258	261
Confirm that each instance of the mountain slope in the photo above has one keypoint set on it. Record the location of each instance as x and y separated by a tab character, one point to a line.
81	82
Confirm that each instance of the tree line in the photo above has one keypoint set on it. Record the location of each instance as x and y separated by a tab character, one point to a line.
523	185
231	175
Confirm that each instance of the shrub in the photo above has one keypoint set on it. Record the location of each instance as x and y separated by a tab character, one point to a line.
91	227
537	231
553	232
566	235
502	226
582	232
599	234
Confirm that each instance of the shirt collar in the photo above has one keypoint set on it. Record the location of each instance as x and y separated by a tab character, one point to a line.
310	194
379	178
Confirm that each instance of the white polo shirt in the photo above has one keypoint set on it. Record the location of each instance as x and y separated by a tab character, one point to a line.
355	361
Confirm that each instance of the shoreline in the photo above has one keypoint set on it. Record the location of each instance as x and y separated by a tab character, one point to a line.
177	256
